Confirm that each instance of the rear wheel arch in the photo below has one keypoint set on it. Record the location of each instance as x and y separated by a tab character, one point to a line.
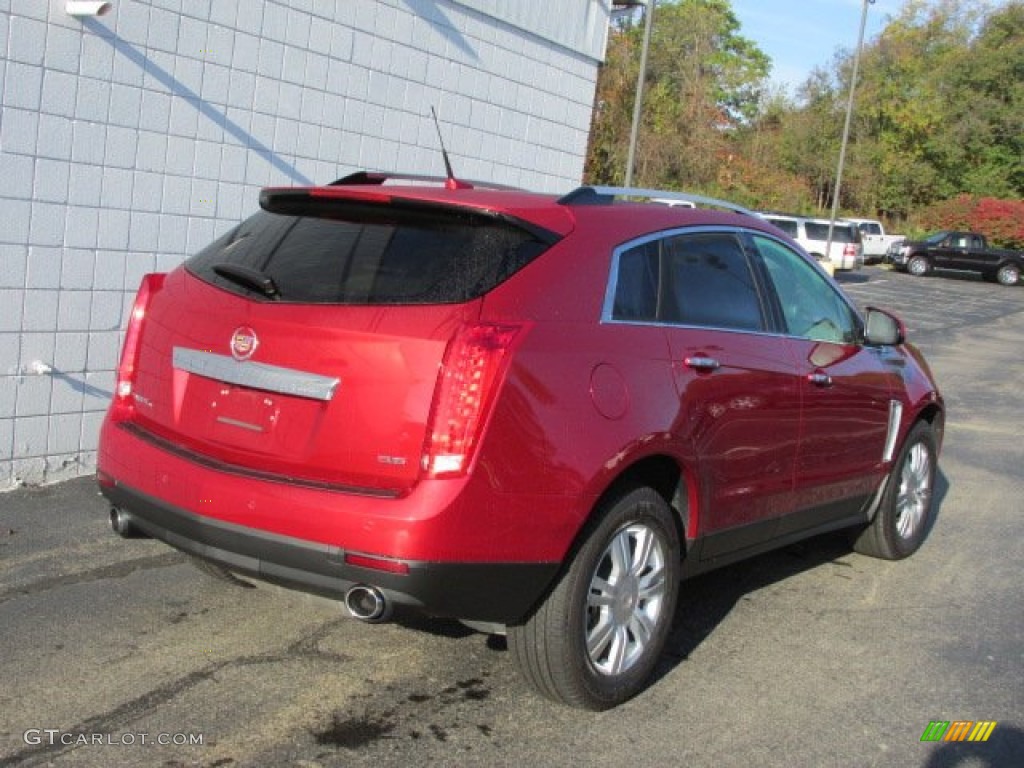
594	638
660	472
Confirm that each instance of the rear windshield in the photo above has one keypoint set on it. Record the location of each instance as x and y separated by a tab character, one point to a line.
370	254
841	233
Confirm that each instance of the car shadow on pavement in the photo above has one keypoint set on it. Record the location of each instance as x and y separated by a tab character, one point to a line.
939	495
852	277
431	625
706	600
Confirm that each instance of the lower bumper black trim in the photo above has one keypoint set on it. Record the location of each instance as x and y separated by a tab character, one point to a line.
485	592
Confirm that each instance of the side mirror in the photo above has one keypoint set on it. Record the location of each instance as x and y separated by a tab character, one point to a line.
883	329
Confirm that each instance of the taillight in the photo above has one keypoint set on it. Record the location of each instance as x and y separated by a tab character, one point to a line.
470	377
123	405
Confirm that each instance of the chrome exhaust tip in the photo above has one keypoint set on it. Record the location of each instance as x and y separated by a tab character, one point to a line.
367	604
123	524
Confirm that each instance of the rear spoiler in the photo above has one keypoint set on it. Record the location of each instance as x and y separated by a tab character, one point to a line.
379	178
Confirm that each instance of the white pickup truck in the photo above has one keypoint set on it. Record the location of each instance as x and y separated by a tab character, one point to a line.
876	243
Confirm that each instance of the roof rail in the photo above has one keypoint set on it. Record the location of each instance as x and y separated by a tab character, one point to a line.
816	217
597	195
378	178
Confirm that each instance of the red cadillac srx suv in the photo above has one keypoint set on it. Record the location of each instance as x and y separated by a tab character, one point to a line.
529	413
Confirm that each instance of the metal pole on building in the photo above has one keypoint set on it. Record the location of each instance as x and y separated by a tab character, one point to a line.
846	128
638	102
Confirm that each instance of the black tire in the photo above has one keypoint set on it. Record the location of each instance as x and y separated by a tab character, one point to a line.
905	512
220	573
1008	274
919	266
597	601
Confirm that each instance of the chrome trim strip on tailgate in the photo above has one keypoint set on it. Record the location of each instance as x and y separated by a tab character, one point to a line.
270	378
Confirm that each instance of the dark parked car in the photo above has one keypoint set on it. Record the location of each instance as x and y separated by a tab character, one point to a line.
533	414
961	252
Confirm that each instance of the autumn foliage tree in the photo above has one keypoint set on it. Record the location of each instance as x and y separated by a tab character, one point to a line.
1001	221
939	113
703	78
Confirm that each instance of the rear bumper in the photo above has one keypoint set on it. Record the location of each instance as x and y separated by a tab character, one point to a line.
484	592
848	263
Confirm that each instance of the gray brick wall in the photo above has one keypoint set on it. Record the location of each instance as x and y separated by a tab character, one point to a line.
129	141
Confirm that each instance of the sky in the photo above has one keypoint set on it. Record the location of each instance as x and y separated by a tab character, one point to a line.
799	35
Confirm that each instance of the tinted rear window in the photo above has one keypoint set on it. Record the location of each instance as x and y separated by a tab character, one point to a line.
372	254
841	233
698	280
786	225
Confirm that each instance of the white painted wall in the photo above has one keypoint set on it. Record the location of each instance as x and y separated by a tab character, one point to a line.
129	141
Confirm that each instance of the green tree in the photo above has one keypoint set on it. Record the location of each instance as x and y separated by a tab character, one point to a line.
703	80
755	174
613	106
939	111
992	123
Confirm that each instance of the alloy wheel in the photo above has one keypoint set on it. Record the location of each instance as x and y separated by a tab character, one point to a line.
626	599
917	266
915	491
1008	275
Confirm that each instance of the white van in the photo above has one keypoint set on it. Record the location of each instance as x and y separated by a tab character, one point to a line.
811	233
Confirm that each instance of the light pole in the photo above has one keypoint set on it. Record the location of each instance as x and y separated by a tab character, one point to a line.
846	128
638	102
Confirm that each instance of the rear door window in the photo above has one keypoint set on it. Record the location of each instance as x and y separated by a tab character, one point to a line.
711	283
372	254
701	279
637	288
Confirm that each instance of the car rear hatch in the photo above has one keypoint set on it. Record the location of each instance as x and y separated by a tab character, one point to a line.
319	340
845	250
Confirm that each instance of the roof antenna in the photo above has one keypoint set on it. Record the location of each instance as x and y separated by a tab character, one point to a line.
450	182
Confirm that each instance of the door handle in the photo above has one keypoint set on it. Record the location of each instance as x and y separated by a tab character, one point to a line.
819	379
704	364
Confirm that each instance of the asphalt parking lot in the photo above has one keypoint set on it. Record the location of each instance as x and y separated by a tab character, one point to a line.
121	653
